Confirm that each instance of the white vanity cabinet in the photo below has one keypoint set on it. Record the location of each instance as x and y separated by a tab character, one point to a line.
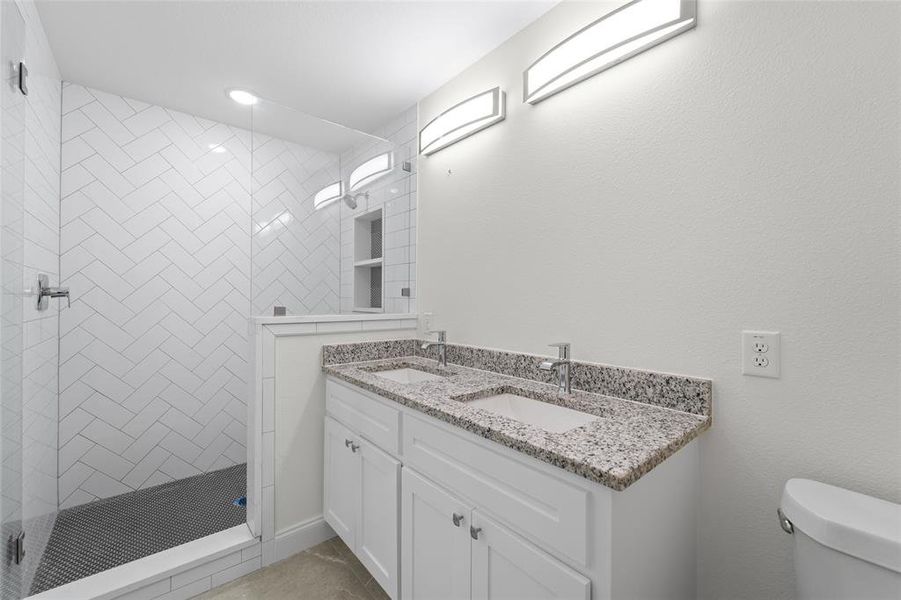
452	551
341	482
361	499
438	513
504	566
436	544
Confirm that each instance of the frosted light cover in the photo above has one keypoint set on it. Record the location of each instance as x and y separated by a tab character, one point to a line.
613	38
462	120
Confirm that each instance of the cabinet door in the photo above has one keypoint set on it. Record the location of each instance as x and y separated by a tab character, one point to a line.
435	546
341	494
506	567
378	527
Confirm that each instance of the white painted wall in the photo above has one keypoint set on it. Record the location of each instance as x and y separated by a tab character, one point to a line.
742	175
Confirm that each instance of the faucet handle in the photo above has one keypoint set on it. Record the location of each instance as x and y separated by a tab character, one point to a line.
563	348
442	334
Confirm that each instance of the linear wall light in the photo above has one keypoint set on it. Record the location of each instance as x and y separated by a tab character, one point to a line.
613	38
462	120
372	169
327	195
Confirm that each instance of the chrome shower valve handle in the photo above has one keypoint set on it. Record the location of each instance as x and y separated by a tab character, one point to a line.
45	291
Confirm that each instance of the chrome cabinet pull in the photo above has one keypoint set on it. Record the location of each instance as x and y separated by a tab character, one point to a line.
457	519
474	532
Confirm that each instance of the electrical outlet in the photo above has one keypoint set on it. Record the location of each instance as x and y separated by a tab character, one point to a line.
760	353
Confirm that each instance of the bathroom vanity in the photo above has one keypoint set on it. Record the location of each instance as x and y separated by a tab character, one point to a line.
456	482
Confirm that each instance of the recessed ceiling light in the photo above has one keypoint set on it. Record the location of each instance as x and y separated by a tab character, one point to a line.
242	97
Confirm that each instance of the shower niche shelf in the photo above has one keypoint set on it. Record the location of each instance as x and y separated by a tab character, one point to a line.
368	271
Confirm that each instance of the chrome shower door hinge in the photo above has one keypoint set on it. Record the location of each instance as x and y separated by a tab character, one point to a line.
16	548
23	76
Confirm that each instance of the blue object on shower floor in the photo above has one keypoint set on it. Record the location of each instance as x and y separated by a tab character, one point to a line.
242	501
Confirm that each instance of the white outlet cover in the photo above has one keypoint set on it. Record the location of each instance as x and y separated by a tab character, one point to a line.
761	353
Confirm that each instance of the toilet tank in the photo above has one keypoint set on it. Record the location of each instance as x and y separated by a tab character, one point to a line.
847	545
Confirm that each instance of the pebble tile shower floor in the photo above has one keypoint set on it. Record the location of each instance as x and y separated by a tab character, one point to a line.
107	533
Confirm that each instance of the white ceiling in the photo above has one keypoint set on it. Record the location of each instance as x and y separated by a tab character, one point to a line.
355	63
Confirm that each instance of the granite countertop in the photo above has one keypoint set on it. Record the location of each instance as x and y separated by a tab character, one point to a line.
629	439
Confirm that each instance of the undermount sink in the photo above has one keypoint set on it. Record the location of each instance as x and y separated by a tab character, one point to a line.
407	375
550	417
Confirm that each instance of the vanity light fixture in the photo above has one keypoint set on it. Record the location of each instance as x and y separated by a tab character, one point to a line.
327	195
242	96
613	38
462	120
372	169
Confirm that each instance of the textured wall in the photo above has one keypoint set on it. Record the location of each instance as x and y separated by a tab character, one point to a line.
742	175
155	247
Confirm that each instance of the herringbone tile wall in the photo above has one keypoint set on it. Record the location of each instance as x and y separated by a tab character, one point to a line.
155	247
395	194
295	248
163	223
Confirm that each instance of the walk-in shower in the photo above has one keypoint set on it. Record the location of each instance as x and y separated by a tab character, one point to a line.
124	414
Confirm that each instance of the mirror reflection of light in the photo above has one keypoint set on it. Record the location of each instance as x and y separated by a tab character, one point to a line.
616	36
374	168
328	195
242	97
217	148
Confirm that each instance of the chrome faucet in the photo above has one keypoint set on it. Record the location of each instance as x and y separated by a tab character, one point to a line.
561	366
441	344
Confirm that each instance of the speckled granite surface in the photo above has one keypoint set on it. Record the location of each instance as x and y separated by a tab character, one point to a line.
679	392
628	440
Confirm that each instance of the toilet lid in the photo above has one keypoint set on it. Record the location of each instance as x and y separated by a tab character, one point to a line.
853	523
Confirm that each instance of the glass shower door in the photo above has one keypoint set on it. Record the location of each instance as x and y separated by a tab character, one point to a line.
12	218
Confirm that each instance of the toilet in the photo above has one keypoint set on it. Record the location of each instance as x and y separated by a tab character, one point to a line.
847	545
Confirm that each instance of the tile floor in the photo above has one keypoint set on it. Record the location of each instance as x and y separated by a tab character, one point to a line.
107	533
325	572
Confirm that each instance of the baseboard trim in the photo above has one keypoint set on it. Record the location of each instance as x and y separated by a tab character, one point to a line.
301	536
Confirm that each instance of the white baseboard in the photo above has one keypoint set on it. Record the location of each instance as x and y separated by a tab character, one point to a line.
301	537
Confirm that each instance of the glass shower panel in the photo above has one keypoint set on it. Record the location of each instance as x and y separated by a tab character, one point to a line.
317	230
12	192
387	199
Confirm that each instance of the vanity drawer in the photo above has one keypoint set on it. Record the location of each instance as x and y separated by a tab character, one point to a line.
551	511
367	416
